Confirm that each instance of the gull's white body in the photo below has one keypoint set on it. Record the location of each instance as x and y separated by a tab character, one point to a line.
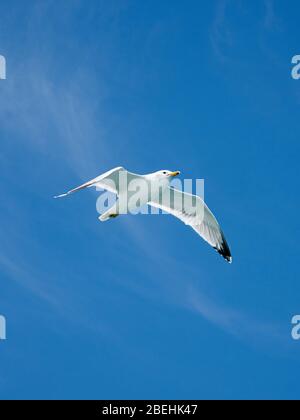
204	223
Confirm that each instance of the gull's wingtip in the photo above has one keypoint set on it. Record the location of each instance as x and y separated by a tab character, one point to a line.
60	196
223	249
227	258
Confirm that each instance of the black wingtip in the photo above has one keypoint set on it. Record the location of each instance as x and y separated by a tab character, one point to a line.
224	251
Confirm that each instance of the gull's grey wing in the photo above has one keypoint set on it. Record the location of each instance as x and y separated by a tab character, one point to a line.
107	181
192	210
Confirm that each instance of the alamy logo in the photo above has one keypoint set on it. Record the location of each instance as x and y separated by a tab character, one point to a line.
2	67
2	328
140	192
296	328
296	68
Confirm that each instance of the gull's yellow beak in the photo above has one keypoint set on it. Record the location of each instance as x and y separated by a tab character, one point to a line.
175	173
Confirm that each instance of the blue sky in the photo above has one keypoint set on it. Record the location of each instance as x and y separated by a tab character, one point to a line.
140	307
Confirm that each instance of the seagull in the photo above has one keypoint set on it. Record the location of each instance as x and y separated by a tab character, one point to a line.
178	203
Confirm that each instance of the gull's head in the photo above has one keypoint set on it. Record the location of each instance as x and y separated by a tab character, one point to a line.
163	177
165	174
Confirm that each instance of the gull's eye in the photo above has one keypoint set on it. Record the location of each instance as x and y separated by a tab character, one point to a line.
164	172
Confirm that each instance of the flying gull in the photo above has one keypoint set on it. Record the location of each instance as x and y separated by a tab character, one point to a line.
158	193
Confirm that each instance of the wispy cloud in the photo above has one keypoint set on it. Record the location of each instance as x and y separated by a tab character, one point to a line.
270	16
257	333
63	121
227	36
25	276
191	293
38	107
221	35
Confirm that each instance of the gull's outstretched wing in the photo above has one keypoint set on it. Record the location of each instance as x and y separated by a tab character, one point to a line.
108	181
192	210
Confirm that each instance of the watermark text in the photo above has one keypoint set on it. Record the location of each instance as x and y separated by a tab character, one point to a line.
2	67
296	68
2	328
143	196
296	327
